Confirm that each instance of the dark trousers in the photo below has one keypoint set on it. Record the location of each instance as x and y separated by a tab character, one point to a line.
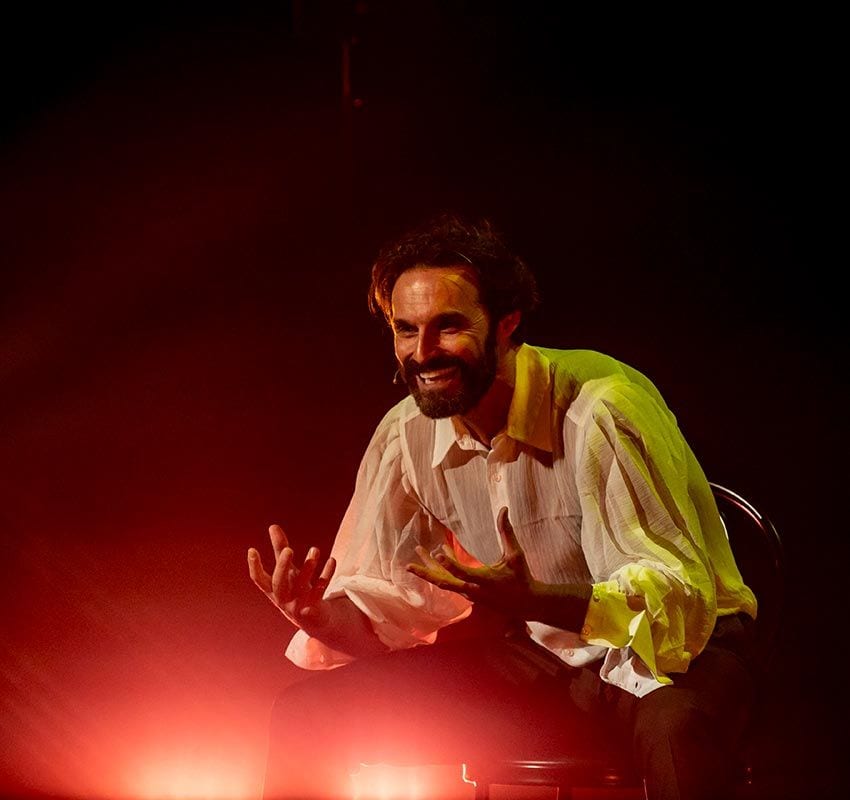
492	697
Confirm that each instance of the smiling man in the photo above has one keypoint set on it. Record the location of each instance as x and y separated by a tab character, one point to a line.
532	557
447	346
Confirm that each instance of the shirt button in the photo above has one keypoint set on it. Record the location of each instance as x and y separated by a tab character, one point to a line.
497	477
570	653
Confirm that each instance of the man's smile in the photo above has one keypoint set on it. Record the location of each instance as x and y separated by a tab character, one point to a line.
438	377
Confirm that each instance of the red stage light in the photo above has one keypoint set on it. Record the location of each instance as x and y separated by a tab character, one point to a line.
189	776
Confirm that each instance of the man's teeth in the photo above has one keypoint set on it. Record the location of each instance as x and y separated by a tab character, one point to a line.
434	375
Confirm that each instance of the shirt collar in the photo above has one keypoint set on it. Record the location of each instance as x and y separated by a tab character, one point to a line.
529	417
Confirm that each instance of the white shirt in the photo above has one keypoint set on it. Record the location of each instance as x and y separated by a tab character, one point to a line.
601	488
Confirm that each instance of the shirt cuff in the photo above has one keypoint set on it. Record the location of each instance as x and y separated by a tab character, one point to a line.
309	653
611	622
622	668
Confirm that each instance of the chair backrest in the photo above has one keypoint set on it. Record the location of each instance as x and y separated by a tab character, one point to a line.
760	556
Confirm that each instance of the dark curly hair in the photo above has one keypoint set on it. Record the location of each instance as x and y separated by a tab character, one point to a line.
505	283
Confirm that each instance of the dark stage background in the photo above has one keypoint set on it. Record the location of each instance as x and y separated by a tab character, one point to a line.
190	202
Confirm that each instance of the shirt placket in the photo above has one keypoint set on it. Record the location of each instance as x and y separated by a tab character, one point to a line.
497	484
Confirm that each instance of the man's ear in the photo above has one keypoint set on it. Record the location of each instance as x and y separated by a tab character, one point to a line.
507	325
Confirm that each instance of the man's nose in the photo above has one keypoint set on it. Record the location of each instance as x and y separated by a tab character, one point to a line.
427	345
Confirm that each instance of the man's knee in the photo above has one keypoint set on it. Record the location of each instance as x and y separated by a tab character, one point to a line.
670	718
681	748
301	708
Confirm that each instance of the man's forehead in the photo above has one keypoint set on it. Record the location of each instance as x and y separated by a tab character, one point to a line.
457	285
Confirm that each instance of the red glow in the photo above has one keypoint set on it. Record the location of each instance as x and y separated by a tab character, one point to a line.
186	775
385	782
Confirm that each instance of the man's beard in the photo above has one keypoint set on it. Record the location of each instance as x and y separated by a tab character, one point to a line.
474	379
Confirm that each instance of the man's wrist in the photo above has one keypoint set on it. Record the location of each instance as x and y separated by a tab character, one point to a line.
339	624
562	605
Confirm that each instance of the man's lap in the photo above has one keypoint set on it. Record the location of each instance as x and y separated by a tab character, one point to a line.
450	702
435	699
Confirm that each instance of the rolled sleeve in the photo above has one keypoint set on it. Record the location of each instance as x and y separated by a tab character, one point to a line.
382	526
612	622
653	595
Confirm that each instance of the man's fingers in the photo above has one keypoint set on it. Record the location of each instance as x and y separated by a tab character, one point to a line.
447	560
308	568
439	577
445	580
278	539
282	577
327	573
317	591
510	544
257	572
450	570
430	563
433	572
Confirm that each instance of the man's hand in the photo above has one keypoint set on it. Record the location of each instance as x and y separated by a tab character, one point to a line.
296	591
506	586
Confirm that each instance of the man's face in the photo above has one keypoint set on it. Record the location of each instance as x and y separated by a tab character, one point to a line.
444	341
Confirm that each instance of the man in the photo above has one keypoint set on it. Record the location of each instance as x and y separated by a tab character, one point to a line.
532	555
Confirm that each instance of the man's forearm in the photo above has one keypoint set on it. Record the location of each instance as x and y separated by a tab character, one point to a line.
560	605
344	627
